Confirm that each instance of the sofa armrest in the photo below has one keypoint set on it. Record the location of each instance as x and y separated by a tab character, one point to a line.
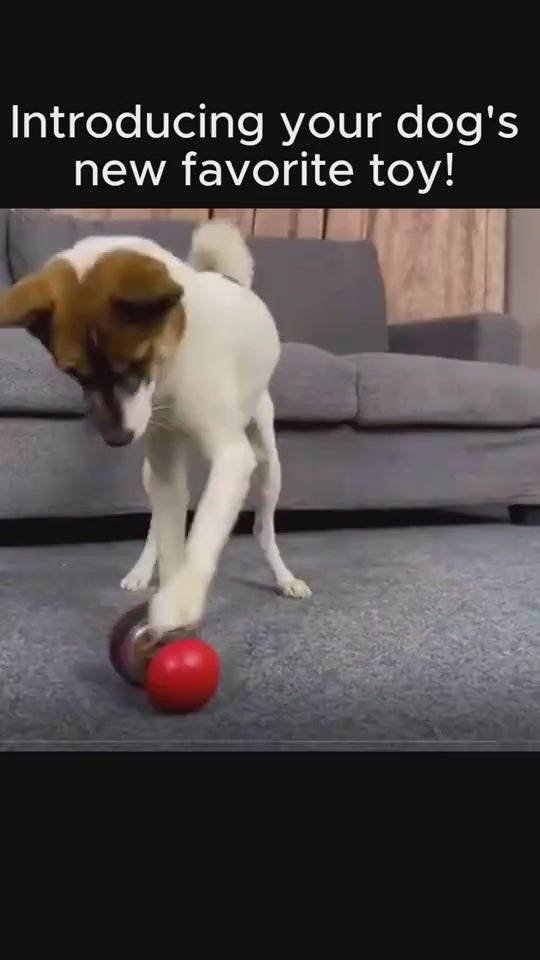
491	337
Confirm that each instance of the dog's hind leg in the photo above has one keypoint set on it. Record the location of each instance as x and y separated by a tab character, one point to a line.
140	576
268	474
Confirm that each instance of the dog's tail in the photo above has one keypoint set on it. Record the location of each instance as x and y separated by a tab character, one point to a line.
219	246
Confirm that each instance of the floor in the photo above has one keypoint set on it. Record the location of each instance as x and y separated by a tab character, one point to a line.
424	637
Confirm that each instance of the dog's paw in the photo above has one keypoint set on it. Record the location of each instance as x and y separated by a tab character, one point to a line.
179	604
296	589
139	578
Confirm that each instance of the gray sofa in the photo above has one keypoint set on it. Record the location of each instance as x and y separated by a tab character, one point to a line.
370	415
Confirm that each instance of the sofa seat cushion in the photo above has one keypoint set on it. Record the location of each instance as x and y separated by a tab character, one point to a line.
30	384
309	384
395	389
314	386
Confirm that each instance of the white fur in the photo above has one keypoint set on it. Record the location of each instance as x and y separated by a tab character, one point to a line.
83	255
219	246
137	409
213	391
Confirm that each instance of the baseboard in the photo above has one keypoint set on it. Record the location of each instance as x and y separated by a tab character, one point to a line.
58	530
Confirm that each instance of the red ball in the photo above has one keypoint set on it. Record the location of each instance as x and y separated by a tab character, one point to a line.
182	675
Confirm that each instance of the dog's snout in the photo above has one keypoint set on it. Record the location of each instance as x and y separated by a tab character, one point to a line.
118	436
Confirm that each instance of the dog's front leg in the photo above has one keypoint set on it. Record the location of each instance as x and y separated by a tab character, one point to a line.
181	601
167	486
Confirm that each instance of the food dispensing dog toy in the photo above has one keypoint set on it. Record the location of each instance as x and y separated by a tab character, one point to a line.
178	673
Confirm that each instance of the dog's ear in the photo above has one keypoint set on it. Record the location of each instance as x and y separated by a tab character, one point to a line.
146	309
33	304
29	303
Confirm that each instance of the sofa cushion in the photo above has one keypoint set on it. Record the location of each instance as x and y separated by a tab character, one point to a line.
396	389
326	292
314	386
309	384
29	381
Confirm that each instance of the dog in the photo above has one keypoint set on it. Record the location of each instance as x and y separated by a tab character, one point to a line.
172	352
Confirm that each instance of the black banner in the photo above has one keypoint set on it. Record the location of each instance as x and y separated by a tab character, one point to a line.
353	152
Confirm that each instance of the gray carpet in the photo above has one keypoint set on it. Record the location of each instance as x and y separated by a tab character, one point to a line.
416	638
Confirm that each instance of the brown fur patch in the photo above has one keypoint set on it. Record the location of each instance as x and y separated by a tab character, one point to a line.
126	308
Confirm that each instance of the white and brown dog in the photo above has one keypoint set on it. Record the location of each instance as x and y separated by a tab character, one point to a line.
176	352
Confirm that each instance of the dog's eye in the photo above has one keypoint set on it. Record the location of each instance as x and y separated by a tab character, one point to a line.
147	311
131	382
83	379
138	370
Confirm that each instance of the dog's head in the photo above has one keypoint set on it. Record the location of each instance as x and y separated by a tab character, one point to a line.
109	329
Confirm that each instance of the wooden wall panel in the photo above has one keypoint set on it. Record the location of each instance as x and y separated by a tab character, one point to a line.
496	265
193	213
88	213
243	217
435	262
141	213
130	213
346	224
272	223
309	223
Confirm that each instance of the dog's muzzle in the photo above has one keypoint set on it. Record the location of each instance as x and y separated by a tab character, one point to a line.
117	436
